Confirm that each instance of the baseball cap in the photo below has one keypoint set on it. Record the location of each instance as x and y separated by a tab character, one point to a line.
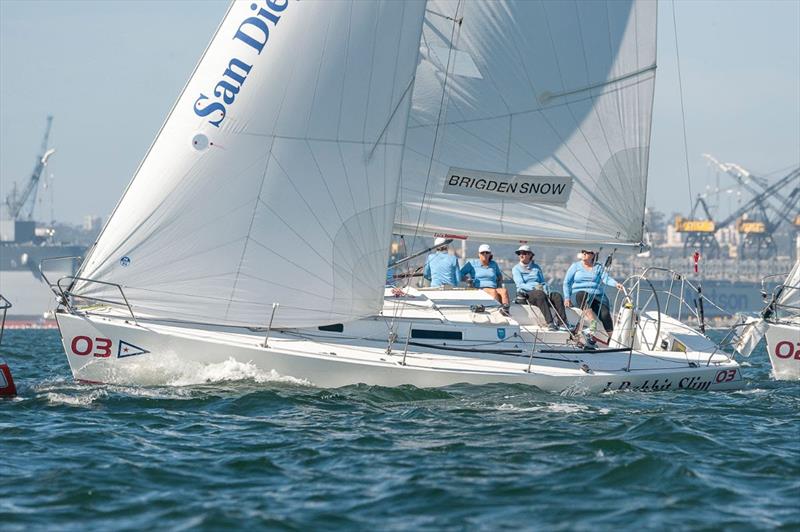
484	247
439	241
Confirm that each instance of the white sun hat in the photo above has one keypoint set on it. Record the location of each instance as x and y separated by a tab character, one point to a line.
524	247
439	241
484	247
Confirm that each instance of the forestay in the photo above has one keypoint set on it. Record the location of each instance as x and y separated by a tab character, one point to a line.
274	179
531	121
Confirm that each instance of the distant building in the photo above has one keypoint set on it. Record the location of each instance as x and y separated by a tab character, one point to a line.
92	223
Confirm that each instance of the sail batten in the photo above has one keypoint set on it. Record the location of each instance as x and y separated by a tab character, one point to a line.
273	179
558	89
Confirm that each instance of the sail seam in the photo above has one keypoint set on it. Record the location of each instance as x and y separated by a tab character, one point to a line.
250	227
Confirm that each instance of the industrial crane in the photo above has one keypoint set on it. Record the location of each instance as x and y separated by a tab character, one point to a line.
699	231
17	202
759	218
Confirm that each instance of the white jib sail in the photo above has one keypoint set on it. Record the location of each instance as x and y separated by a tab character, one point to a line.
531	121
274	179
790	294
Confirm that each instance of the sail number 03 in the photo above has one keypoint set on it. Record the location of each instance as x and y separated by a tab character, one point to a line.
83	345
785	349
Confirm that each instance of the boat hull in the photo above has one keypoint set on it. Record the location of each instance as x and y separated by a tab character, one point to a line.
783	346
113	350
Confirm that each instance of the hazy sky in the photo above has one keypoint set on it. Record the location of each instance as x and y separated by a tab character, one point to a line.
109	71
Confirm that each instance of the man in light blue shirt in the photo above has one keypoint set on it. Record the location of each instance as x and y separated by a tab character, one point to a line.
532	288
441	268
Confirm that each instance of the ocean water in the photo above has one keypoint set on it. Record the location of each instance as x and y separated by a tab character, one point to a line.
233	447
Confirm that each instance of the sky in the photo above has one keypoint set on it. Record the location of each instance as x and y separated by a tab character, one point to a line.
109	71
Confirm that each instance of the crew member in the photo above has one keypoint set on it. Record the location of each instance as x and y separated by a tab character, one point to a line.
532	288
486	275
441	268
585	284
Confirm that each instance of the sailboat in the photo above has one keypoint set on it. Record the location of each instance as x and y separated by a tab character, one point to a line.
257	227
780	324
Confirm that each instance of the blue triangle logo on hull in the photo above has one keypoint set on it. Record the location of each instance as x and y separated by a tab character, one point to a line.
128	350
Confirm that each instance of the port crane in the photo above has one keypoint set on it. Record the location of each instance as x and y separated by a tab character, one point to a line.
17	202
759	218
699	231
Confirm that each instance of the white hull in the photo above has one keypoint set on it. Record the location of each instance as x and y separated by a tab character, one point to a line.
96	349
783	346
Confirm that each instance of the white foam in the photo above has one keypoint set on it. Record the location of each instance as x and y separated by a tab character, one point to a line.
171	370
566	408
80	399
561	408
229	371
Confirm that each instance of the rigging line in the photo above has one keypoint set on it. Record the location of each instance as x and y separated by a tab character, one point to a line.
647	136
457	20
683	113
373	224
390	195
394	84
456	27
595	102
391	117
569	108
531	110
547	97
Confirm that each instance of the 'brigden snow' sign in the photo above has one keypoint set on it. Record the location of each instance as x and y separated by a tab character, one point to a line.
530	189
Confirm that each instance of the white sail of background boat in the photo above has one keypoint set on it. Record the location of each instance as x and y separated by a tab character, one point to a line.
780	324
257	228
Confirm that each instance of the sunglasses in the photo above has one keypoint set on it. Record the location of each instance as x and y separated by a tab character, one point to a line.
485	252
587	252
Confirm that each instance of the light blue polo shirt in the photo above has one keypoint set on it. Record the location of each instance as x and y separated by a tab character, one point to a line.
441	268
482	276
529	278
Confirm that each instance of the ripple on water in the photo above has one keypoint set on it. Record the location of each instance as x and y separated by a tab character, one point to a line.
234	446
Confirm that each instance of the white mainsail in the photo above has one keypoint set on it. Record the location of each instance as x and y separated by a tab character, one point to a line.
274	179
530	121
